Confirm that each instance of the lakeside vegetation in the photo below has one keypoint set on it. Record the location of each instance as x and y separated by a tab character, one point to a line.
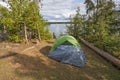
22	21
100	26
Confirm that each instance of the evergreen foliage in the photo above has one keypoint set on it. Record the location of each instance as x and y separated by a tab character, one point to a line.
99	25
23	21
75	28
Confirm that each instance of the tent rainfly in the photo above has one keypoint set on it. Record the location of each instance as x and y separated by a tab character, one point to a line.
69	40
67	50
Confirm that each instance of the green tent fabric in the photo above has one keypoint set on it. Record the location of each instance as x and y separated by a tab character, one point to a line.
65	40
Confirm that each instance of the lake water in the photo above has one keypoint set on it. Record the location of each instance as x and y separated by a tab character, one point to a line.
58	29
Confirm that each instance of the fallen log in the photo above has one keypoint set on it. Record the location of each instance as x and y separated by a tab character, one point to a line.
102	53
4	55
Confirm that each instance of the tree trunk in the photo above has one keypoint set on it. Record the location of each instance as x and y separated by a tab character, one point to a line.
4	29
25	34
38	33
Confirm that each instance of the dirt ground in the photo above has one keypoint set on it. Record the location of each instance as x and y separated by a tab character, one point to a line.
15	47
32	63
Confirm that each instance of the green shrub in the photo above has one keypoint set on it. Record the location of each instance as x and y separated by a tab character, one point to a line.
14	38
110	44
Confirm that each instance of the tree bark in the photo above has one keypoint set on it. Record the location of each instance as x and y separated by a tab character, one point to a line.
38	33
25	33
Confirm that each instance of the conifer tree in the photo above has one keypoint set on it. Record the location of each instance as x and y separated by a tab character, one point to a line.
102	15
75	28
100	20
25	20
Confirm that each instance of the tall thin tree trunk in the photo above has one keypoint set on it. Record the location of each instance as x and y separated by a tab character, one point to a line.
4	29
38	4
25	33
38	33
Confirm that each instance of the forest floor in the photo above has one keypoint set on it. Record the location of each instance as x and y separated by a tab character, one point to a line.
32	63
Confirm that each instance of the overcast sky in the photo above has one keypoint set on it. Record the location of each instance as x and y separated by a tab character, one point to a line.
60	10
56	10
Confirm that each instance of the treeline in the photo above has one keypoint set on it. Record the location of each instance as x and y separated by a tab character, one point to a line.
22	21
101	25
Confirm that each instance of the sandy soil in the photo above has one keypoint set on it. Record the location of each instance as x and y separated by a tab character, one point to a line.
32	63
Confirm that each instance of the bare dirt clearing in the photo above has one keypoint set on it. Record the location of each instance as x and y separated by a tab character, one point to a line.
32	63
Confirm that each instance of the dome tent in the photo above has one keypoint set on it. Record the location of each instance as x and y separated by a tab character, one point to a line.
65	40
67	50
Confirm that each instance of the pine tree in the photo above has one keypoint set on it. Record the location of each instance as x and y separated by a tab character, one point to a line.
101	17
99	23
75	28
6	21
25	20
